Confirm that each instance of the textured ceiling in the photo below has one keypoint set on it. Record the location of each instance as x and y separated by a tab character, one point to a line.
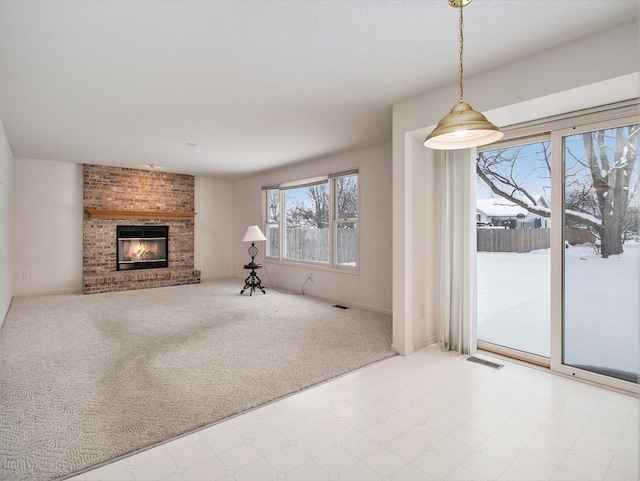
254	84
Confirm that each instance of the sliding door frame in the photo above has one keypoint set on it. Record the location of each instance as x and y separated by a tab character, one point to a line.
516	141
555	129
557	253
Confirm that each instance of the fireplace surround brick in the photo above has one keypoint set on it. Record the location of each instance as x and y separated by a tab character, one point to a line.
128	190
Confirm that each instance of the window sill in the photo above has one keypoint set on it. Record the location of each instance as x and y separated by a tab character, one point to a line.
352	270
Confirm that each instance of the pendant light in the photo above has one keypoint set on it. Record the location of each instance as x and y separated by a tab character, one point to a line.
463	127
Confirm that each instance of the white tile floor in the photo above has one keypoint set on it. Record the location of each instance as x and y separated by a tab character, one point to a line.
429	416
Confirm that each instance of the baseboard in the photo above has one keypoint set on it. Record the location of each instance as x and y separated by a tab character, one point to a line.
354	304
66	290
3	316
344	302
425	342
330	299
402	350
217	278
408	350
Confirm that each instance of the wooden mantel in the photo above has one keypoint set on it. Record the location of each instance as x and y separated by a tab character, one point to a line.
138	214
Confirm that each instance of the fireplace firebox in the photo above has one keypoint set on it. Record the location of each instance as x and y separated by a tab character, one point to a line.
142	247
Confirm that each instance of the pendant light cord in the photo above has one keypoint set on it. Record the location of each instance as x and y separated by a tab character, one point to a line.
461	96
450	133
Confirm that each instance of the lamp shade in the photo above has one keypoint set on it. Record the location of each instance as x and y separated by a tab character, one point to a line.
462	128
253	234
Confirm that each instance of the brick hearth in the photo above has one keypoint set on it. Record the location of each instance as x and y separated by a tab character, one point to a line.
117	193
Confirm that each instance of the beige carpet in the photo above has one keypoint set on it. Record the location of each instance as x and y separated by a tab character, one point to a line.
85	379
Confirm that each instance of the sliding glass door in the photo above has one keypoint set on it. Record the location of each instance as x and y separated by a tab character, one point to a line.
513	249
601	260
558	248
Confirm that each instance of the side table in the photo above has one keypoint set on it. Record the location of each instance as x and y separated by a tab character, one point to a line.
252	282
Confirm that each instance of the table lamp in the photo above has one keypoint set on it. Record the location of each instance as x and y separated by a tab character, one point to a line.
253	235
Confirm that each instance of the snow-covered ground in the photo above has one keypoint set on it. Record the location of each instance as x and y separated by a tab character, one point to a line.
601	305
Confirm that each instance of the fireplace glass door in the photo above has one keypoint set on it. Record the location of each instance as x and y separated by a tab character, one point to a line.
142	247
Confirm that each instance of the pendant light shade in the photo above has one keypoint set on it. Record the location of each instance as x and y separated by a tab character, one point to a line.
463	127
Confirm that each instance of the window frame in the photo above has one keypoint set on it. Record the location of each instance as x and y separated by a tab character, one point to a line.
333	221
593	122
268	222
283	222
514	142
336	219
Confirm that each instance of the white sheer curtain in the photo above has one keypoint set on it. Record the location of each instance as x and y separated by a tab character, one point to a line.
457	328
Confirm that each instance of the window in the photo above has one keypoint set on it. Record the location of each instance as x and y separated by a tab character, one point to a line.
272	224
306	215
314	220
345	219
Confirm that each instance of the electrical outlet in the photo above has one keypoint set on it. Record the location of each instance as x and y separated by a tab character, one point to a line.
310	277
25	274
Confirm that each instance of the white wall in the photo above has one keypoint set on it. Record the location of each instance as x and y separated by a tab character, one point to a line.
47	227
372	287
6	182
214	227
596	70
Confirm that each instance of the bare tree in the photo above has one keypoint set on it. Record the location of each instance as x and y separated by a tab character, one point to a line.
599	185
347	197
611	172
313	213
300	216
273	202
498	169
319	195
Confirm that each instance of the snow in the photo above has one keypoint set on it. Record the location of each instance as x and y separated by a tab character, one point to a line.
585	216
499	208
601	305
513	300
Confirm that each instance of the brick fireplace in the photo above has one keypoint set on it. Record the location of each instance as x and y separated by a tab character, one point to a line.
118	197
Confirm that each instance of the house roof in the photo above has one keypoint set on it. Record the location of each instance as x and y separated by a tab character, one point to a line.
228	88
499	207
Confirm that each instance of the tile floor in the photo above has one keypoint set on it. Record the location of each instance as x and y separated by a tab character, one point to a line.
429	416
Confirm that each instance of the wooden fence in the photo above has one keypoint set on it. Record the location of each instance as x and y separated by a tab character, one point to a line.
513	240
313	245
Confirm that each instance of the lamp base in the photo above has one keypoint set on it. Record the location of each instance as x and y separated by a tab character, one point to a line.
252	282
